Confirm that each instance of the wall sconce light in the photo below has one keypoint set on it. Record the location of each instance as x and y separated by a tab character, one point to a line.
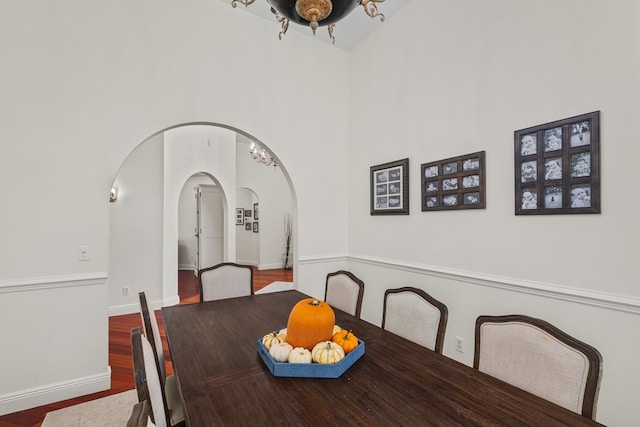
114	194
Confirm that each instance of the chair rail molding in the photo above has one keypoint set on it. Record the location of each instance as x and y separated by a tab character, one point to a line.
51	282
320	259
623	303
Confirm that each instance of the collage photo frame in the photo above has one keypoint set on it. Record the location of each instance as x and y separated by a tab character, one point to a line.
557	167
454	183
390	188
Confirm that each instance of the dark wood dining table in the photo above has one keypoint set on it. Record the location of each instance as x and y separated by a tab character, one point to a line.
223	380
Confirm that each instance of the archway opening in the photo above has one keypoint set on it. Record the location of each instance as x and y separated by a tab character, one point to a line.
145	218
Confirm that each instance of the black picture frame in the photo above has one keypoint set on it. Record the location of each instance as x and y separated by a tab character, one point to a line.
390	188
255	227
557	167
255	211
239	216
247	213
247	226
454	183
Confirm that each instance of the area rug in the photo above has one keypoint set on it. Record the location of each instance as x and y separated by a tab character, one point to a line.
275	287
109	411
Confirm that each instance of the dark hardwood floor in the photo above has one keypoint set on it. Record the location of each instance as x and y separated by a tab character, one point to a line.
120	347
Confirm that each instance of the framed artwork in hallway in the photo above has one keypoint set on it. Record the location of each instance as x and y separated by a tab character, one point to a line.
239	216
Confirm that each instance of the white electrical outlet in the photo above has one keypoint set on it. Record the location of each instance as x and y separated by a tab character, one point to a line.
125	291
460	344
83	253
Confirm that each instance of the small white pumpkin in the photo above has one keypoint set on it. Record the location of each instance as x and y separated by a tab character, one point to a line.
327	352
273	338
300	355
280	351
336	329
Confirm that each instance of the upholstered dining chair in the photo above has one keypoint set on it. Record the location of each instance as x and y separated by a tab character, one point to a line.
415	315
152	332
538	357
344	291
166	409
225	280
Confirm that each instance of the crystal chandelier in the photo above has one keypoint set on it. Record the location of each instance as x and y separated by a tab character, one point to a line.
260	154
315	13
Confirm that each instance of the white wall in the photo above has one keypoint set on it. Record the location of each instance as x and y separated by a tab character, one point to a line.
135	224
271	190
189	150
150	180
86	82
83	84
470	74
247	242
54	339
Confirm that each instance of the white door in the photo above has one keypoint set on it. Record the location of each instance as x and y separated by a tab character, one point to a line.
209	227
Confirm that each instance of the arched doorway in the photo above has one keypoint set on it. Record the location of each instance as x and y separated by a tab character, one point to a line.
144	249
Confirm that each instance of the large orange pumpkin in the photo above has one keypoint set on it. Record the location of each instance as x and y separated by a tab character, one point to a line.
310	322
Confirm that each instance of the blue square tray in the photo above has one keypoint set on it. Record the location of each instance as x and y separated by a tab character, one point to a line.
310	370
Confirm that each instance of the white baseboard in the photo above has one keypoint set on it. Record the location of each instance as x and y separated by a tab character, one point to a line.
174	300
119	310
246	262
32	398
272	266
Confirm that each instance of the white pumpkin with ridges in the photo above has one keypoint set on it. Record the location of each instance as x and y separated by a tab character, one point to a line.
280	351
300	355
327	352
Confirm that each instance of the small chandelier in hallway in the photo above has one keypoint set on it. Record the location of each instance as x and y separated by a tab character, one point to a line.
260	154
315	13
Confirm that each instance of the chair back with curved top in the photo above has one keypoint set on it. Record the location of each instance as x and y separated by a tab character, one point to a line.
152	332
344	291
147	379
415	315
537	357
225	280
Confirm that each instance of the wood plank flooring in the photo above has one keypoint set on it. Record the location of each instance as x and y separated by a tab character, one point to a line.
120	347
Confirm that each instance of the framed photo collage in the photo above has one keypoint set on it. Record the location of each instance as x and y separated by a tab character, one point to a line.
556	170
